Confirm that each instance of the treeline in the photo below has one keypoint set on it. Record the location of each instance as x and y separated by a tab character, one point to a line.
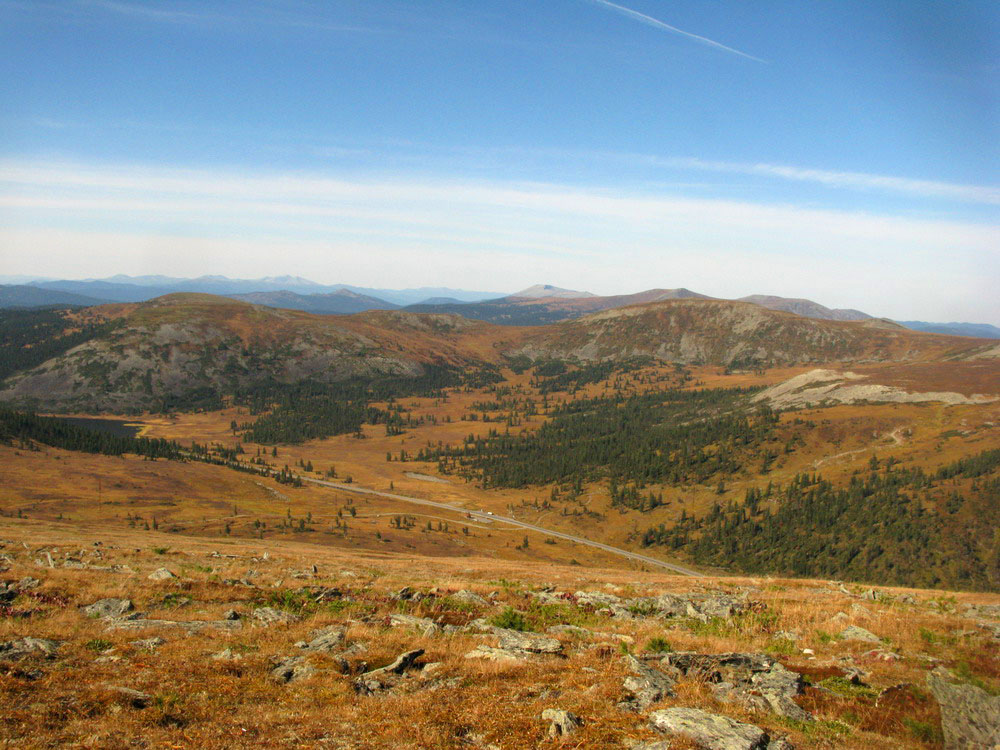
673	437
30	337
25	427
890	525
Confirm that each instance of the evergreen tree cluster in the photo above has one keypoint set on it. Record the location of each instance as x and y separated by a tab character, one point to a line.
30	337
26	427
673	437
891	525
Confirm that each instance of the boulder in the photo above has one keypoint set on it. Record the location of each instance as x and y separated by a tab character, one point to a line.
497	654
421	624
108	608
646	685
161	574
292	669
970	717
854	633
515	640
756	680
27	647
710	731
469	597
323	640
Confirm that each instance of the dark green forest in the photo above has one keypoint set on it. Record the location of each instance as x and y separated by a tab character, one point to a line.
311	410
892	525
672	437
30	337
25	427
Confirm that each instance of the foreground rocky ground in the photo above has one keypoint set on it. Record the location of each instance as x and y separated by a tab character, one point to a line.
106	645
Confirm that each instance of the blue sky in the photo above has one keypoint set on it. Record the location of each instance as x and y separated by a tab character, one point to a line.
841	151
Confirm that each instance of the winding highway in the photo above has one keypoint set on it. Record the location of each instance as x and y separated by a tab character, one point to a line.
511	521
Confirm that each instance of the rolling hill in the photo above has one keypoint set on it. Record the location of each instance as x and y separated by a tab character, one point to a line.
341	302
190	350
805	307
736	334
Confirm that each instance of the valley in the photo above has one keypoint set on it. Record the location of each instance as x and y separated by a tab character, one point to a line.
617	490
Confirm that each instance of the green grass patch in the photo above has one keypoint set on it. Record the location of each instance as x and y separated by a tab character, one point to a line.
848	689
98	645
659	645
510	619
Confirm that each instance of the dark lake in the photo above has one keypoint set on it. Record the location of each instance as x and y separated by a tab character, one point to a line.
117	427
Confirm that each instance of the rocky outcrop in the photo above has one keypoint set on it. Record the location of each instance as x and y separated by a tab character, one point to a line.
755	680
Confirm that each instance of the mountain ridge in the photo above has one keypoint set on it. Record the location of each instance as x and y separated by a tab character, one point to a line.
181	345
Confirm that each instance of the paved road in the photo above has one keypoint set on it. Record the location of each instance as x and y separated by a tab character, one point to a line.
512	521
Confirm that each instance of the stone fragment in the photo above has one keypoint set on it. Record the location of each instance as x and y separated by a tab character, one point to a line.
270	616
323	640
149	644
515	640
561	723
134	698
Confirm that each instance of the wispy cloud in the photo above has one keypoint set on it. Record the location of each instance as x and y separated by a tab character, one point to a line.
151	12
663	26
94	219
856	180
253	15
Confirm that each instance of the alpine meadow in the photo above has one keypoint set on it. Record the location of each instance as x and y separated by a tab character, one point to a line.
286	463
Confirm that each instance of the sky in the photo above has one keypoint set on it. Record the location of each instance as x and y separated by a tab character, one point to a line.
845	152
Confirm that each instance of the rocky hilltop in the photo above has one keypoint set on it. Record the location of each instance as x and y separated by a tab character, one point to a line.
719	332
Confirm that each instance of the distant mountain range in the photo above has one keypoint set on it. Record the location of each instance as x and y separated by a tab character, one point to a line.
540	304
976	330
22	295
122	288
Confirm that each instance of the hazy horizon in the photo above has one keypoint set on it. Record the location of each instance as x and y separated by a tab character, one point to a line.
844	154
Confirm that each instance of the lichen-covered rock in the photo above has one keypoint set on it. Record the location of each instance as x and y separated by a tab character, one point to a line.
421	624
108	608
970	717
24	648
515	640
854	633
646	685
710	731
270	616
